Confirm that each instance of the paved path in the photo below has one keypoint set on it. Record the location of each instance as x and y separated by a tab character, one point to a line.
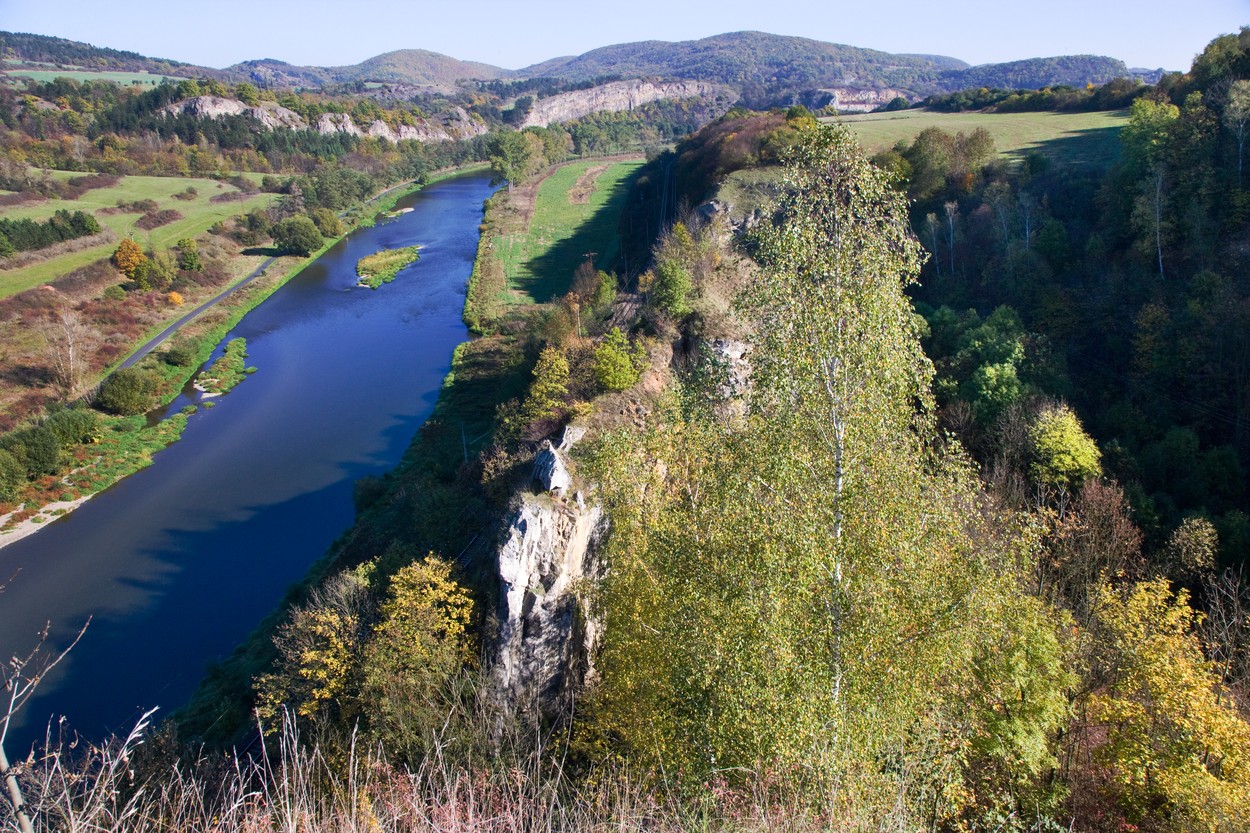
156	340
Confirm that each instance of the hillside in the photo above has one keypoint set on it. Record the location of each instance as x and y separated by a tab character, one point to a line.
18	48
1034	73
764	69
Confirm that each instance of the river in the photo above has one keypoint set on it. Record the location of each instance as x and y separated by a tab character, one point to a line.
177	563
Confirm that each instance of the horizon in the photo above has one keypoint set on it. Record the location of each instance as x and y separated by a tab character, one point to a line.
522	37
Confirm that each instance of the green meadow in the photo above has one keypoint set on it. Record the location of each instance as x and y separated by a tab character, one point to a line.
198	214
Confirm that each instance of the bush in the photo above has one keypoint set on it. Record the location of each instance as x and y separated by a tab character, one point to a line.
115	293
73	426
12	476
296	235
131	390
180	355
37	450
327	222
616	366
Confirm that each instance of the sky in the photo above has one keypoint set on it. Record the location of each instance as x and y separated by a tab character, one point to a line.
514	34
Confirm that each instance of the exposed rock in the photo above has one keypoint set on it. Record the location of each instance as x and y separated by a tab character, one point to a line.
455	123
615	97
328	123
550	470
858	100
213	107
547	632
572	436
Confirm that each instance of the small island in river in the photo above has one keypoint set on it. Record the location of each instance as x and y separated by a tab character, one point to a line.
382	267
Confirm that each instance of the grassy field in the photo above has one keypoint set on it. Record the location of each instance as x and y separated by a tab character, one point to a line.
1070	138
198	215
43	75
575	213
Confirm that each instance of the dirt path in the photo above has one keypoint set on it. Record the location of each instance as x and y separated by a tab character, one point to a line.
580	193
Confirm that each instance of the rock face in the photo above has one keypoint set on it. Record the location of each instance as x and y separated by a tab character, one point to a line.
547	634
551	472
856	100
212	107
615	97
456	123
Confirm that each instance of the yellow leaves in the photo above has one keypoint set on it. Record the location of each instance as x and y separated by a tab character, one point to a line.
1171	735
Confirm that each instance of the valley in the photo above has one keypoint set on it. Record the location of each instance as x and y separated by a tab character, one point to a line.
737	434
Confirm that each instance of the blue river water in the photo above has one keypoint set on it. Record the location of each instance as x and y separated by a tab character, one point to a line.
177	563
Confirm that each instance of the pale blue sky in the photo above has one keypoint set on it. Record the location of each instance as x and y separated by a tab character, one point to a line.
217	33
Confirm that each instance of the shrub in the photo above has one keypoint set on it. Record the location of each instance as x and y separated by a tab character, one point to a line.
12	476
296	235
73	426
180	355
175	299
131	390
327	222
616	366
115	293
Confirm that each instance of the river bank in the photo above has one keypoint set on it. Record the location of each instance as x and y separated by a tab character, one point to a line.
200	334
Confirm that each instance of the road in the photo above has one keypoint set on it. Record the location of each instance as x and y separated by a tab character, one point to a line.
156	340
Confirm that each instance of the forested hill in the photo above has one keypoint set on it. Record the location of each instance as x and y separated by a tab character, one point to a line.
65	53
745	59
765	69
1035	73
403	66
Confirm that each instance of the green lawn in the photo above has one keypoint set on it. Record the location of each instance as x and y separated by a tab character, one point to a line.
122	78
1071	138
540	262
198	215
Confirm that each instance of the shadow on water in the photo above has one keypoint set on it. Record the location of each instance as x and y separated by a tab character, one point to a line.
596	237
180	561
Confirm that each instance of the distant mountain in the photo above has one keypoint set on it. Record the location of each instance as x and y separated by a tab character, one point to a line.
417	66
761	65
1034	73
763	69
22	46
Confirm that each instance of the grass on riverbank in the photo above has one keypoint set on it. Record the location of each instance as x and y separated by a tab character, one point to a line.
573	216
382	267
534	237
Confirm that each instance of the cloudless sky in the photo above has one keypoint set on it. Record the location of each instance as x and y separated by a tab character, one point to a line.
517	33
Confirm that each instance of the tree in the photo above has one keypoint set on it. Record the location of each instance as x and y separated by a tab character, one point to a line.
1145	140
296	236
616	366
128	257
419	644
1064	455
549	389
327	222
70	341
131	390
776	581
1176	746
189	255
1237	117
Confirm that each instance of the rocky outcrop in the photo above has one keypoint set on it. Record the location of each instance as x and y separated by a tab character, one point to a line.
455	123
857	100
547	633
616	97
550	471
213	107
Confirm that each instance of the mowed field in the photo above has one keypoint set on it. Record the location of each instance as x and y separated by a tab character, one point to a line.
198	214
125	79
575	213
1071	138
